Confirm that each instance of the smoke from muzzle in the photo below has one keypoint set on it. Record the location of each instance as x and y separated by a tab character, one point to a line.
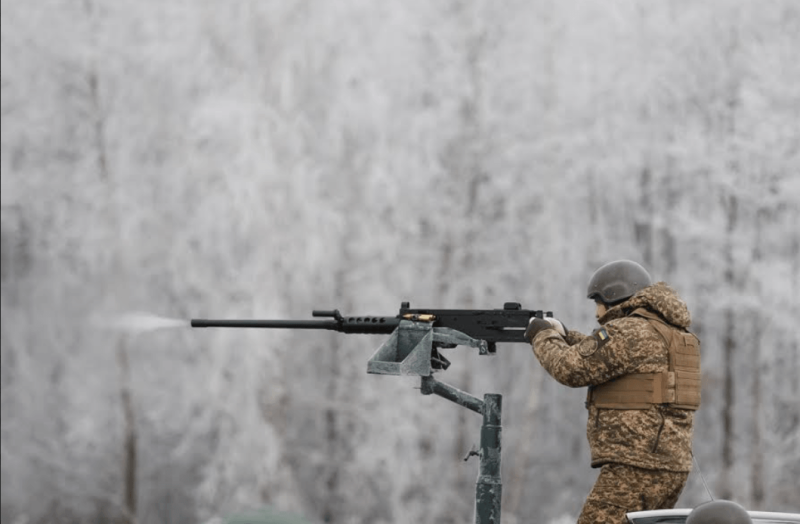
136	322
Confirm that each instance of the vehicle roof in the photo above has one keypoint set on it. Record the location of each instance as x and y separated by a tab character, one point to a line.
756	515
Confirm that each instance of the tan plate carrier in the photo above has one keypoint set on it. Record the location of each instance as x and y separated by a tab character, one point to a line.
678	387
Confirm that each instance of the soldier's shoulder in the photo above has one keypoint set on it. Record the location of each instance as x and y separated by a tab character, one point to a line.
632	330
626	324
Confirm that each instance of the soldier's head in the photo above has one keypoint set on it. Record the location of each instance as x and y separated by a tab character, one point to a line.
616	282
719	512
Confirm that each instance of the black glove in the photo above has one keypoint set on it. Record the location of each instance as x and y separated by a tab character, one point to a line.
538	324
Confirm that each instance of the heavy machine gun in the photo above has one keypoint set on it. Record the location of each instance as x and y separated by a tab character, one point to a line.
489	326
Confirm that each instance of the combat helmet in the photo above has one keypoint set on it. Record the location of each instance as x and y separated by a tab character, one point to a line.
616	281
719	512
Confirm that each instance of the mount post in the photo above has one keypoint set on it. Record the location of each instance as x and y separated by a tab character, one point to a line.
489	487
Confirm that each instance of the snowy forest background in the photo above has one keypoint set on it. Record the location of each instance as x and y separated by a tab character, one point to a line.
261	159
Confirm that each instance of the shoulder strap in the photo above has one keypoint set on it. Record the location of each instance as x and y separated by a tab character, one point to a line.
658	323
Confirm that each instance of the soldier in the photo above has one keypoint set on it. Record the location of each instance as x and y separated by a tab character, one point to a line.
719	512
642	369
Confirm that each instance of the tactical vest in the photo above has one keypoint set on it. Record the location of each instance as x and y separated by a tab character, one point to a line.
678	387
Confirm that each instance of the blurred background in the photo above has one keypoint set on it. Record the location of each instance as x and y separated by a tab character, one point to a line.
260	159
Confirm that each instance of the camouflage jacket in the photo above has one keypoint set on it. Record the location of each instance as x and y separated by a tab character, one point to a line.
659	437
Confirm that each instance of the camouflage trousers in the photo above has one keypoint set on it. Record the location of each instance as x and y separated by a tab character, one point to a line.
620	489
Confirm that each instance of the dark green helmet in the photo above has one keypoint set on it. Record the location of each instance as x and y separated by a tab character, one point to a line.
616	281
719	512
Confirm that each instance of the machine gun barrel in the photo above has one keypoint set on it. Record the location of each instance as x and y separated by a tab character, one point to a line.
266	324
356	325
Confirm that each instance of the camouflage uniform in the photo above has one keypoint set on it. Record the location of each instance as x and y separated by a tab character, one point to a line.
646	453
620	489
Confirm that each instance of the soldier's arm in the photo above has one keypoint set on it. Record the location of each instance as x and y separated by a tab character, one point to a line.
574	337
590	360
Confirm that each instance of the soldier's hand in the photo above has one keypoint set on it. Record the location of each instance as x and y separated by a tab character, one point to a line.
535	325
558	326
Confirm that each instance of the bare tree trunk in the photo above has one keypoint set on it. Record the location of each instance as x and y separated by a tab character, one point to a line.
643	227
130	463
756	453
731	206
98	115
729	347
